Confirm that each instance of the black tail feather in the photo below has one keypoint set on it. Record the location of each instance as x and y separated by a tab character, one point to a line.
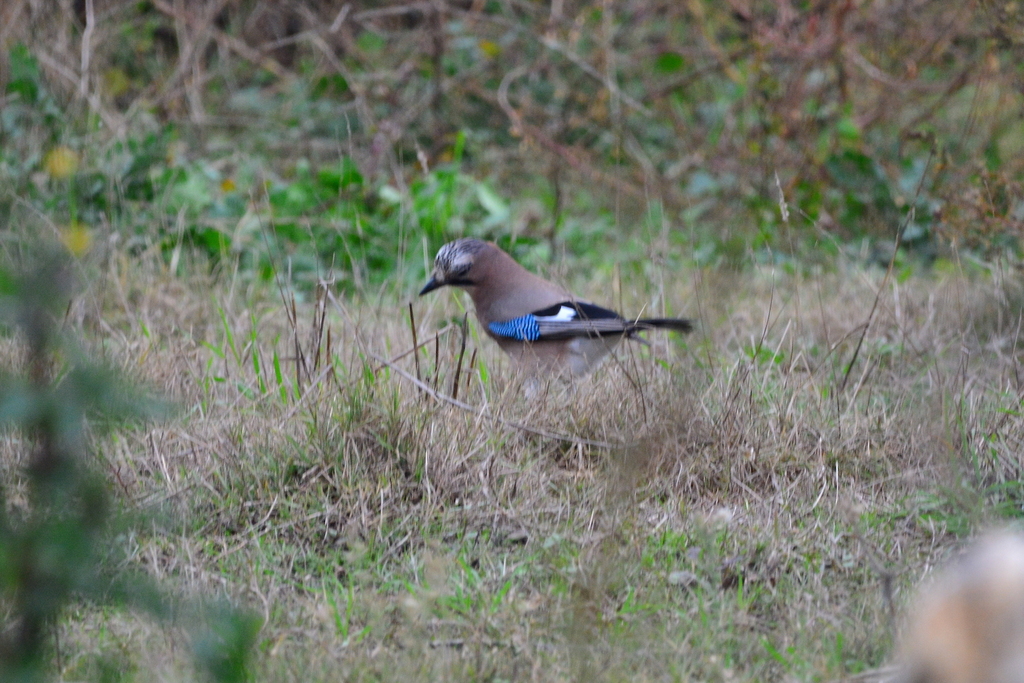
676	324
607	327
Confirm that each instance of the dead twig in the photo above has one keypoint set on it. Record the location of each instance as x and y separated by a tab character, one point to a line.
888	275
415	343
570	155
462	354
90	27
237	46
568	438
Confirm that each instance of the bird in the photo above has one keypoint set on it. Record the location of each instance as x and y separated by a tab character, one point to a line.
543	328
969	623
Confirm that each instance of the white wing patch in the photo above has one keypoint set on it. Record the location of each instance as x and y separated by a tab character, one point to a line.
564	315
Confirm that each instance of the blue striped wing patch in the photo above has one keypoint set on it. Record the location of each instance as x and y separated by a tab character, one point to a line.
524	328
562	321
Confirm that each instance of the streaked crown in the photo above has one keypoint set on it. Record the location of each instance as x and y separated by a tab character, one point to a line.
456	258
453	263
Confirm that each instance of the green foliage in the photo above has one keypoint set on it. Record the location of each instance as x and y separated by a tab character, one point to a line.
309	221
24	75
717	120
57	548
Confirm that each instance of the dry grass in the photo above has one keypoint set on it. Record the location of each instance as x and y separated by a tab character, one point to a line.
751	525
777	482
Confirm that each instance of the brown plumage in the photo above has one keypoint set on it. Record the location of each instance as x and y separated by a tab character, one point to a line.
537	323
969	624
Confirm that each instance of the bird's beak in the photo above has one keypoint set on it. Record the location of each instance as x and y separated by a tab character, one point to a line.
431	285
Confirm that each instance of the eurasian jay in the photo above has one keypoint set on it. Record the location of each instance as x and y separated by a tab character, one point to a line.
537	323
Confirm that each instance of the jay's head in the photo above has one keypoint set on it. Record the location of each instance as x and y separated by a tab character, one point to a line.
458	264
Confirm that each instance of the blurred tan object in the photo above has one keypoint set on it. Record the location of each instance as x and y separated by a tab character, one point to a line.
969	625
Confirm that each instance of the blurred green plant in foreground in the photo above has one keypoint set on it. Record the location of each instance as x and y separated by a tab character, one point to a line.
56	542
